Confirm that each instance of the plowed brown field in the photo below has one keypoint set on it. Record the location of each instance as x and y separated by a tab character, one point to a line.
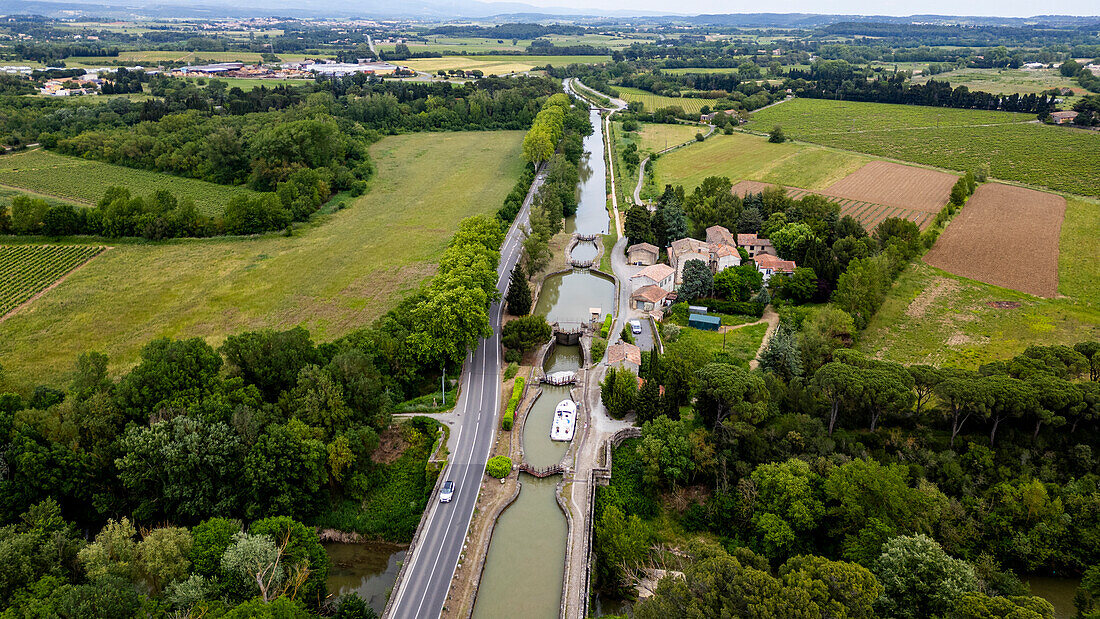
1006	236
868	214
896	185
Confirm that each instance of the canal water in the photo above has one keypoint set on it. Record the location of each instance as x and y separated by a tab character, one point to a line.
584	250
369	569
525	567
567	297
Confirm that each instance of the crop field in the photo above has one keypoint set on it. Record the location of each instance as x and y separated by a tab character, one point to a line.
868	214
932	316
1006	236
654	137
153	57
497	65
7	195
27	270
748	157
335	274
894	184
474	45
83	180
654	102
1012	145
686	70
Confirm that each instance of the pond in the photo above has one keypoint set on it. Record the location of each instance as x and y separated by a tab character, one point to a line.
1057	591
368	568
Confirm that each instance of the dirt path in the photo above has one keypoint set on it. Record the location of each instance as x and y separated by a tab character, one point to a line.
770	317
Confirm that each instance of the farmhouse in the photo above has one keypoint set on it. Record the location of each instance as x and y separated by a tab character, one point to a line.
660	275
648	298
755	245
1062	118
642	253
624	356
769	265
707	118
719	252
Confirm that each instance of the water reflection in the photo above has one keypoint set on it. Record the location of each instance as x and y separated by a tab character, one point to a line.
369	569
568	297
592	217
1057	591
538	449
584	250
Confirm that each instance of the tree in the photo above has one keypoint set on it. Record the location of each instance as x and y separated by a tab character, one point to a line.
726	391
91	376
270	359
40	544
618	391
841	384
920	579
621	544
775	136
668	222
302	552
286	470
1008	398
963	396
738	283
825	331
799	287
976	605
519	293
162	557
750	220
538	145
113	553
665	452
637	227
648	403
181	469
862	288
925	379
791	240
787	508
258	560
526	332
781	356
209	540
697	281
169	371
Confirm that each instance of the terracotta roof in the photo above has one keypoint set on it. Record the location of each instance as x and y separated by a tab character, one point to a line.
655	272
726	250
745	240
768	261
643	246
621	351
689	245
651	293
1070	115
721	235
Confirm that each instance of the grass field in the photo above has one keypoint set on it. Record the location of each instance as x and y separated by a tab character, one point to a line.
1013	147
741	344
748	157
497	65
684	71
152	57
473	45
654	102
655	137
246	83
1004	81
84	180
26	270
931	316
334	275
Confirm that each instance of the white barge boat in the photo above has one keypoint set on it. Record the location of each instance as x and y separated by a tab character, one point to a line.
565	421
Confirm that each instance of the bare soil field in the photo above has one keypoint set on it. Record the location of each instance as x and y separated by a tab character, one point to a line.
896	185
869	214
1006	236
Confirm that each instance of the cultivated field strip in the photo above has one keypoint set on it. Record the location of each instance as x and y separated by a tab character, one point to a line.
868	214
26	270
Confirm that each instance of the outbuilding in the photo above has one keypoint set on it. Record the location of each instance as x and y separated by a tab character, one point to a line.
704	322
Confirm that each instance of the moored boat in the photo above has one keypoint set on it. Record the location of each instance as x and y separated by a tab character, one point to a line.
565	421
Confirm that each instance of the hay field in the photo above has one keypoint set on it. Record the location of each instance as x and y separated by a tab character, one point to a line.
332	276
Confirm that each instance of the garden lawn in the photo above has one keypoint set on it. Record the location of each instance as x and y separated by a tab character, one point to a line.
748	157
741	344
1013	146
333	276
84	180
931	316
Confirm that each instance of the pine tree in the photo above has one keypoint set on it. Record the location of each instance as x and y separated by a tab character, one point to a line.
648	405
781	356
519	293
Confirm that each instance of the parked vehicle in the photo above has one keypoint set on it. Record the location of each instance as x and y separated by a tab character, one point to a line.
635	326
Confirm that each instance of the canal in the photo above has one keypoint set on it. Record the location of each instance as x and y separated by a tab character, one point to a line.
524	569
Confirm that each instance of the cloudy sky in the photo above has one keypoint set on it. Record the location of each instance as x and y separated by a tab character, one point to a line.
1000	8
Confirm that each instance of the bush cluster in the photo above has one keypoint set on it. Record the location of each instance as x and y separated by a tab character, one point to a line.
513	402
499	466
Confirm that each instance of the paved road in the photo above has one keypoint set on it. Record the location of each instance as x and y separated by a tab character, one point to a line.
423	589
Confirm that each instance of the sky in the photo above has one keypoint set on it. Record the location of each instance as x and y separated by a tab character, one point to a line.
998	8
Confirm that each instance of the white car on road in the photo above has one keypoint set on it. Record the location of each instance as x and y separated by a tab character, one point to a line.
447	492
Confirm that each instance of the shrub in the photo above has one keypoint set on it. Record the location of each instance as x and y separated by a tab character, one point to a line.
627	336
513	402
599	346
606	328
526	332
698	137
510	371
722	306
776	135
499	466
